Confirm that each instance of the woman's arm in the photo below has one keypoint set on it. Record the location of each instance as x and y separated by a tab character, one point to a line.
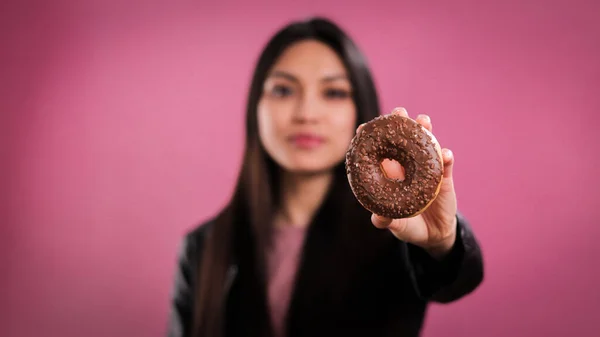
441	252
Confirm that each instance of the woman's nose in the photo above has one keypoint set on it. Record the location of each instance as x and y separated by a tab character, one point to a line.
308	110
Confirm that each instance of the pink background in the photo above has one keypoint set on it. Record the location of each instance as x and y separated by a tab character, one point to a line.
121	128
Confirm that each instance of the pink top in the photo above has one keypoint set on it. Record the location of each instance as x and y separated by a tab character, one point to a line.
282	263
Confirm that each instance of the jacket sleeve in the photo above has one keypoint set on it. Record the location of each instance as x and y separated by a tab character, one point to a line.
181	307
457	275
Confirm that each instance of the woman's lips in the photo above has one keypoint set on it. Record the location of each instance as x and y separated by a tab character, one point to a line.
306	140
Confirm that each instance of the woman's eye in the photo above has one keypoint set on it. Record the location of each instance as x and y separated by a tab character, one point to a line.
337	93
281	91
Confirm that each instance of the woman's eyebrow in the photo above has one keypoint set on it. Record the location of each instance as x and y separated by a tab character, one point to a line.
332	78
290	77
283	74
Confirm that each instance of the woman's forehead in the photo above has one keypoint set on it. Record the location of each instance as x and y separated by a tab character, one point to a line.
309	61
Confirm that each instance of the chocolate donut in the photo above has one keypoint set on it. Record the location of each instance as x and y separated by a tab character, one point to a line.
414	147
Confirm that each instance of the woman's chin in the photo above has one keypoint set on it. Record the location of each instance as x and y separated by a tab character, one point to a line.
308	168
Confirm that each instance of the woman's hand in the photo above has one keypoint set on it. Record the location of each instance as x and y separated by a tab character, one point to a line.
435	229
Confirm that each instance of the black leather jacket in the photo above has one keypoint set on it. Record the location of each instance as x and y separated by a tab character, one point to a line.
388	296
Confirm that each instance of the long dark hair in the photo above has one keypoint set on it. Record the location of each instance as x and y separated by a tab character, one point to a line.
241	231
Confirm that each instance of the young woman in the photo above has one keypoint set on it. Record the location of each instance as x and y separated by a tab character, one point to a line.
294	253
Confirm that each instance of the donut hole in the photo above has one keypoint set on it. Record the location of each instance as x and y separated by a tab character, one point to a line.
392	169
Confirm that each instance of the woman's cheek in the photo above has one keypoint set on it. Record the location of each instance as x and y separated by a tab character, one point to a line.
345	121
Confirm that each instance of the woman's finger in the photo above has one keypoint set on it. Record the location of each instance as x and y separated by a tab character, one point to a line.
393	169
403	230
425	121
360	127
448	158
400	111
380	221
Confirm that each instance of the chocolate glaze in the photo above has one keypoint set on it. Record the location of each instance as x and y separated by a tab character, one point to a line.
404	140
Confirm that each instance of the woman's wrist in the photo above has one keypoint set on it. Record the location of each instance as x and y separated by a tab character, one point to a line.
441	249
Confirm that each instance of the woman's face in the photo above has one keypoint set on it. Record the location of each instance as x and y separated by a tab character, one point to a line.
306	115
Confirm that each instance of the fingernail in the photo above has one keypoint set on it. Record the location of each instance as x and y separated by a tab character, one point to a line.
398	110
